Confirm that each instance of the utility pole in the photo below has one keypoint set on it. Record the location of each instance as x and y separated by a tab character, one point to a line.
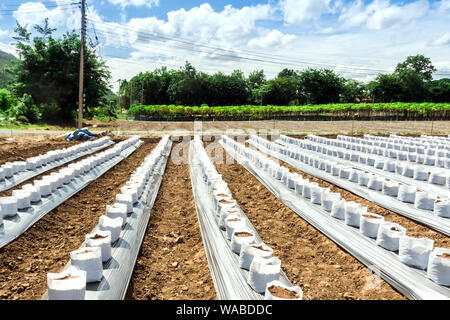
120	80
81	81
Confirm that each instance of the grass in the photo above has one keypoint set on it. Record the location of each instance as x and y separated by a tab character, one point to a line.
11	125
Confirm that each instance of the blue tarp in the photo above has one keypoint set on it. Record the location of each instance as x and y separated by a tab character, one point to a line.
80	134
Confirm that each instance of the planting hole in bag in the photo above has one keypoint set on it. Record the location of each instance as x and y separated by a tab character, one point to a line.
275	290
389	234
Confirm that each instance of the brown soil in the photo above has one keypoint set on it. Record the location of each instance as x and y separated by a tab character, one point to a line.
242	234
283	293
23	148
261	248
45	247
172	263
225	202
413	228
69	276
97	236
368	216
445	255
8	192
309	259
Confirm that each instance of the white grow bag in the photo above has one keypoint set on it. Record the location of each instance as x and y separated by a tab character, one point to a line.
89	260
263	271
439	266
70	284
250	251
415	252
389	234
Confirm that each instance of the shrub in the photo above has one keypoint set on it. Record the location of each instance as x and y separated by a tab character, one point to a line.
50	112
26	108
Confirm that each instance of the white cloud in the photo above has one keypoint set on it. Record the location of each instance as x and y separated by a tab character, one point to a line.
271	40
31	13
381	14
444	40
301	11
135	3
3	33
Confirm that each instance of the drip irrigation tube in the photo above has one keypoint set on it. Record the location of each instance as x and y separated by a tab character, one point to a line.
118	270
405	209
230	281
411	282
14	226
422	185
20	177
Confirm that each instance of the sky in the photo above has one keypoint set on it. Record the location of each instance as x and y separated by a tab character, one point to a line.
356	38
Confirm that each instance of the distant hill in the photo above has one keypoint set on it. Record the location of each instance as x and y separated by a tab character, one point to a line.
5	60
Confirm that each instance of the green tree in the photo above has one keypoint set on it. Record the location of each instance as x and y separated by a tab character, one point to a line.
353	91
320	86
419	64
440	90
48	70
185	87
386	88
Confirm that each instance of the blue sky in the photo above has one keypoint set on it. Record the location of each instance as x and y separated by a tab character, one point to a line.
356	38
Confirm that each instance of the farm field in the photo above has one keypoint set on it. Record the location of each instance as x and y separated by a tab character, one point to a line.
174	259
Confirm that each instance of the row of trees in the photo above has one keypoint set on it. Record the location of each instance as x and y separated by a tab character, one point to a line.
411	82
44	79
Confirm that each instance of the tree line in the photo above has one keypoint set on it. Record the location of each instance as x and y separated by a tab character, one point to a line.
410	82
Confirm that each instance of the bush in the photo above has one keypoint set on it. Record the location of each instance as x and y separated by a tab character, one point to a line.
50	112
7	100
26	108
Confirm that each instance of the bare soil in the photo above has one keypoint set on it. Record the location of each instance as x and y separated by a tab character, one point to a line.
45	247
26	147
413	228
319	266
324	127
172	263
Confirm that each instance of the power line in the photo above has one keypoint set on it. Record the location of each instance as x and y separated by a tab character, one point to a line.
256	57
233	56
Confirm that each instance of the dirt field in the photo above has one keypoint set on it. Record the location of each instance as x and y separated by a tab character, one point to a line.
375	127
322	269
172	263
45	247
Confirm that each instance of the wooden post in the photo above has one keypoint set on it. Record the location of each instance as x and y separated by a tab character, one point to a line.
81	80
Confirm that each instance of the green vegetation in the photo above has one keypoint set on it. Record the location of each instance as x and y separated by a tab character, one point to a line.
396	110
411	82
45	79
